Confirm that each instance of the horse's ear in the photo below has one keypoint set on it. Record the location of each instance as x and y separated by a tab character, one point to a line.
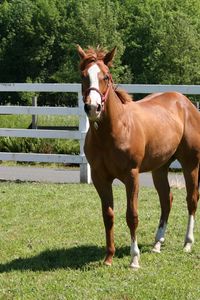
81	52
109	56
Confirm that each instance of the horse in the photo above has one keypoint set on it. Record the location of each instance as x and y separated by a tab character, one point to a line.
126	138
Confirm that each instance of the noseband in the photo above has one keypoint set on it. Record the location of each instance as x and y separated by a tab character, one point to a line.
104	96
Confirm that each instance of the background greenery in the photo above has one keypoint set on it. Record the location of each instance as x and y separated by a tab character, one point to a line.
158	41
53	245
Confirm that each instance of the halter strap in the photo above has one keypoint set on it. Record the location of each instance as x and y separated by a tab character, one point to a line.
104	96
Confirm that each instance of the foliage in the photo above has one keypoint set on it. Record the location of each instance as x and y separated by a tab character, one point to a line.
163	41
26	145
158	41
53	244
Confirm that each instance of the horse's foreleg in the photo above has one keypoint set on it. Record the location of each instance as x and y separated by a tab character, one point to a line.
165	196
104	189
132	188
191	179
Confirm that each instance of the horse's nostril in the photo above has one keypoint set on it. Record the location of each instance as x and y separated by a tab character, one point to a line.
87	108
98	107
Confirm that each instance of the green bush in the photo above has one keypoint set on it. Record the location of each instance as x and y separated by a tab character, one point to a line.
26	145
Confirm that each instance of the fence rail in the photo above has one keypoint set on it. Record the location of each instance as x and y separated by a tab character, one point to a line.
43	110
76	88
44	133
66	134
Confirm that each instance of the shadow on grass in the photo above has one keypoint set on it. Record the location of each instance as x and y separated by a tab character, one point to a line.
73	258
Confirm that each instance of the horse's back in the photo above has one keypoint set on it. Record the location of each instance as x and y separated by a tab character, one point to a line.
171	121
173	103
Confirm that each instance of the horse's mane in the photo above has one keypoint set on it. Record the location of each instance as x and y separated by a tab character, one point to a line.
98	54
92	55
123	96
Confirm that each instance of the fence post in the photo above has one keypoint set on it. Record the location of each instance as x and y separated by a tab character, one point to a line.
34	117
85	172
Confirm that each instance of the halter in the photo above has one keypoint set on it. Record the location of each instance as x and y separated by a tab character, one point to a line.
104	96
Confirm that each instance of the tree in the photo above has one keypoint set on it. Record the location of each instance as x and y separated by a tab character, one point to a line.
92	23
163	42
158	41
38	38
28	32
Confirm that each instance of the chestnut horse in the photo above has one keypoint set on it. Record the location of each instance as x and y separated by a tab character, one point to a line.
126	138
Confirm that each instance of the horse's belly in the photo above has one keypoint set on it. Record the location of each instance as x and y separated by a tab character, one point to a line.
161	145
155	159
153	164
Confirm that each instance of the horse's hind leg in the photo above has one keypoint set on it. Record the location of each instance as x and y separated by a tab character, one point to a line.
161	184
191	174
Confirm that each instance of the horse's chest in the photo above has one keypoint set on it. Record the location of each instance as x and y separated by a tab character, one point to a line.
115	162
115	154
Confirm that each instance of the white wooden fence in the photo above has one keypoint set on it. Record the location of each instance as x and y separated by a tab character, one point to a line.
43	133
65	134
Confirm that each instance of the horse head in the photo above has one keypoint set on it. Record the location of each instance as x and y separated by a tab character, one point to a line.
96	79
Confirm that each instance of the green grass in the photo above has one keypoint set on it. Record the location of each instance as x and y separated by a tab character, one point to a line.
24	121
52	246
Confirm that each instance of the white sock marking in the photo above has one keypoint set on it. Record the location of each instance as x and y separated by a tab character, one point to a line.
94	82
160	235
135	255
134	248
190	228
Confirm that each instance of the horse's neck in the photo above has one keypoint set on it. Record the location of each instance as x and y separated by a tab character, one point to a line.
113	108
109	121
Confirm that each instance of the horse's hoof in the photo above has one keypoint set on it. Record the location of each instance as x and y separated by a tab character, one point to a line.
135	267
107	262
187	248
156	248
135	263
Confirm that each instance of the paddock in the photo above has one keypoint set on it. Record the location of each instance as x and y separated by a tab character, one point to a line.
48	252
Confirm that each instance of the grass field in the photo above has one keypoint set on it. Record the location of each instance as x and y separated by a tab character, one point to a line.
52	246
24	121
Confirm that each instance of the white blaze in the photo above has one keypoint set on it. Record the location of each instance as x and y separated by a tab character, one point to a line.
94	82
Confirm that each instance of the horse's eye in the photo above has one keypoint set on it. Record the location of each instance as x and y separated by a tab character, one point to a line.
106	77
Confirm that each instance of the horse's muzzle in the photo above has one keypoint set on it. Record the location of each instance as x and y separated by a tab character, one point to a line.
87	108
92	111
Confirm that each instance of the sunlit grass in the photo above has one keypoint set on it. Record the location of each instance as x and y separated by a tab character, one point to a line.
24	121
53	244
